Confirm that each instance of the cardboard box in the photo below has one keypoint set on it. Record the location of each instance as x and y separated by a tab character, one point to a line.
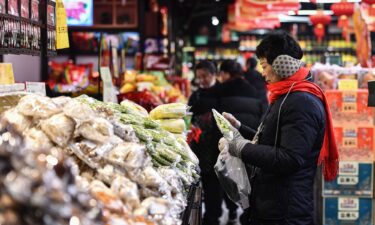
355	143
354	179
347	211
350	107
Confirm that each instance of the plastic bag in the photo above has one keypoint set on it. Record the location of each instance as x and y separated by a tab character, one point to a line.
173	125
169	111
233	177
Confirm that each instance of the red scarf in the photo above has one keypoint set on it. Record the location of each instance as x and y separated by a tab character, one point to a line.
329	155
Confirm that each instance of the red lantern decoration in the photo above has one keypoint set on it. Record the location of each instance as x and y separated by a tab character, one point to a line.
319	20
370	2
343	10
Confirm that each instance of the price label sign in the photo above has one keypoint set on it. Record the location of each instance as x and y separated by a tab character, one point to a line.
6	73
348	84
36	87
62	39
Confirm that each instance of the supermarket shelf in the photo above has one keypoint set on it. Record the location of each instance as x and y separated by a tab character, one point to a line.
51	53
19	51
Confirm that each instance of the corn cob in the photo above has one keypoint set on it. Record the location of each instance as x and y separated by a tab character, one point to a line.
169	111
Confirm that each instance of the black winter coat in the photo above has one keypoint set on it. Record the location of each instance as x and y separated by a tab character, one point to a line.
240	98
235	96
201	102
282	189
256	79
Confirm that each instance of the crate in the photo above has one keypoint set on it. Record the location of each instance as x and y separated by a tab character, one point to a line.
354	179
355	143
347	211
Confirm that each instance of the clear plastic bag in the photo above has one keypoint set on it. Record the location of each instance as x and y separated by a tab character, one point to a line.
232	175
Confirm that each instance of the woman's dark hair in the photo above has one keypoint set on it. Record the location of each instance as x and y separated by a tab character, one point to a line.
206	65
278	43
232	67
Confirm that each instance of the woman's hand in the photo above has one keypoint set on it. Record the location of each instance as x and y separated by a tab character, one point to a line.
232	120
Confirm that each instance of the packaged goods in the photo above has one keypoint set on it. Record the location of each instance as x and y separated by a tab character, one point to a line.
169	111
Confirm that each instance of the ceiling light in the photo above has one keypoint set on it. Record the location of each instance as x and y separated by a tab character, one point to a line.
313	12
215	21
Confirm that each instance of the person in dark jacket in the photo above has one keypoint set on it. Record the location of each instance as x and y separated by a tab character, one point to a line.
240	98
201	102
295	136
255	78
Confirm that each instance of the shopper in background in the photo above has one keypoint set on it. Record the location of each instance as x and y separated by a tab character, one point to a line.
255	78
295	136
240	98
201	102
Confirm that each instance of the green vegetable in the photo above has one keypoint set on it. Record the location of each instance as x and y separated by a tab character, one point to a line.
149	123
142	133
223	125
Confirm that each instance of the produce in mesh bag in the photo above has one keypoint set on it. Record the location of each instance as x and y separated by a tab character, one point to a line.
59	128
142	133
36	139
189	154
37	106
171	176
173	125
61	101
128	155
134	108
124	131
180	136
18	121
127	190
223	124
149	177
86	151
96	129
153	206
78	111
110	201
169	111
167	153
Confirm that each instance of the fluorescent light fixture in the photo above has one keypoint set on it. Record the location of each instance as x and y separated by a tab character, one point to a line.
294	19
311	12
215	21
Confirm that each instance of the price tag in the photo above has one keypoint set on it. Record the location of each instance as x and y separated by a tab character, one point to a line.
6	73
348	84
348	204
6	88
348	168
344	180
62	39
348	215
109	94
36	87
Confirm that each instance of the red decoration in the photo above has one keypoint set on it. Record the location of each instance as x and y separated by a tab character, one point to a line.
343	10
370	2
319	20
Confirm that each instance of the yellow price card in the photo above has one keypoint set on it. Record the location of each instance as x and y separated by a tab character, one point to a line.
62	39
348	85
6	73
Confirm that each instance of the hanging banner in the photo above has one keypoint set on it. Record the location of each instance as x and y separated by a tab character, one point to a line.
62	39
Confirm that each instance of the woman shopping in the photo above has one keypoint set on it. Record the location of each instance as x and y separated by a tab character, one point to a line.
295	136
